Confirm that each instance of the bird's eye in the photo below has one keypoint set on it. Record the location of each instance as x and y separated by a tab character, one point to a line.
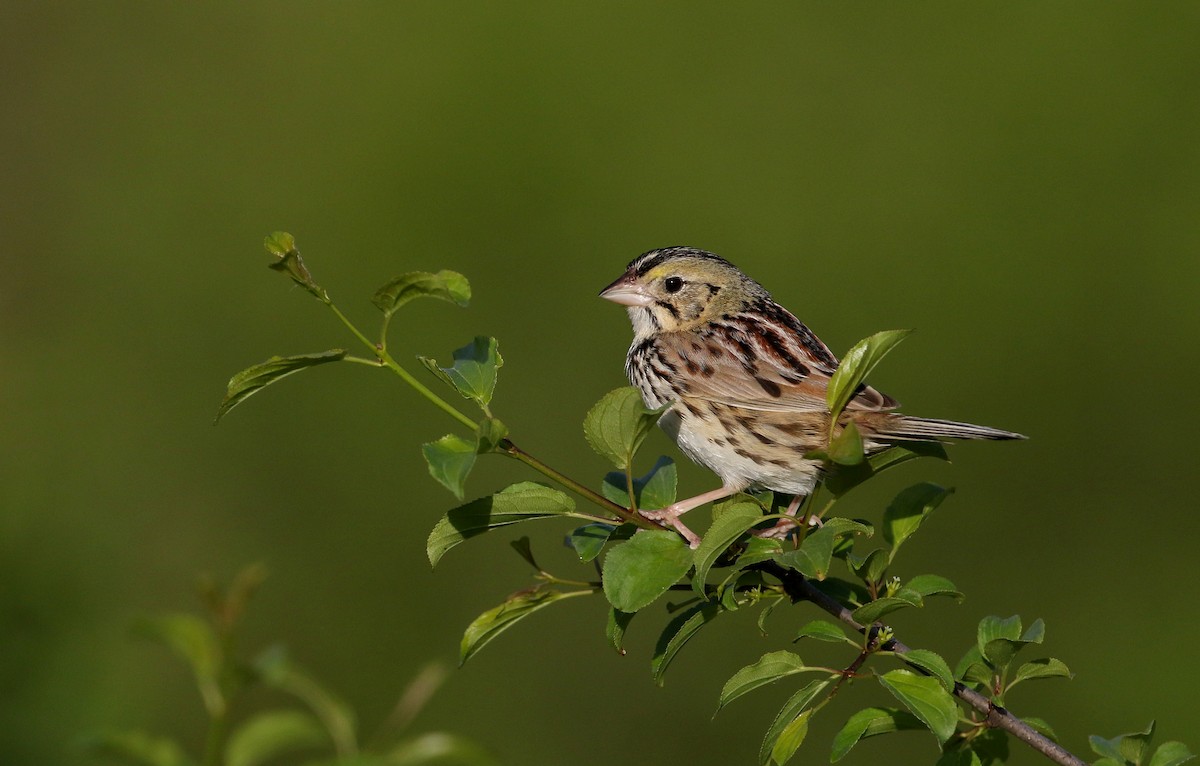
673	284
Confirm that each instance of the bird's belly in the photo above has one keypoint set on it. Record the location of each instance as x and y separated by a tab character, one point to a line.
737	458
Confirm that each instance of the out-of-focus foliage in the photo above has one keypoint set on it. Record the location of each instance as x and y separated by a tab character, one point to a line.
304	720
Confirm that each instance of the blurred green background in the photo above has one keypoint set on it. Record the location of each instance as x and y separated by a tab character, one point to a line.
1019	181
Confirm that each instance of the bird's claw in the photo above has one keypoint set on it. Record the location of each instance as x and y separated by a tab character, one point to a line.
669	517
783	528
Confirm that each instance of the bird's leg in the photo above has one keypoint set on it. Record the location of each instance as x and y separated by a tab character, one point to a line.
670	515
783	527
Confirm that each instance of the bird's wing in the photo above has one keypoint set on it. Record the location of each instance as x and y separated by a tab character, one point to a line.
762	361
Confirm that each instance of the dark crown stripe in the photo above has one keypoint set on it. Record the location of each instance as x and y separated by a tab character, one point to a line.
648	260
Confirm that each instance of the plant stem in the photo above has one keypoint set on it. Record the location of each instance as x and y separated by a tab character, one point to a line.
350	325
214	741
386	360
420	387
507	447
512	450
629	489
799	589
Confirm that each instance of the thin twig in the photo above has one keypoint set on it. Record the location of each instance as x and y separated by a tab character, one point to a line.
512	450
800	589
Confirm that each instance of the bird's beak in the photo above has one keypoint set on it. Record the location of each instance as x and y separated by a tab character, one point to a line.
627	292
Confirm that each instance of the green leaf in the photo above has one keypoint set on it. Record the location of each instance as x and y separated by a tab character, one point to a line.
925	698
872	568
841	526
791	737
999	652
617	424
450	460
519	502
767	670
1000	640
433	748
638	571
188	636
279	243
848	593
677	633
933	664
192	639
992	627
759	549
1035	633
869	613
933	585
857	365
740	588
1108	748
489	435
813	557
847	446
590	539
909	508
973	670
991	747
525	550
724	532
1130	748
1136	745
765	500
1171	754
792	709
274	669
495	621
1047	667
871	722
288	261
139	748
653	491
1040	726
271	734
618	621
840	479
823	630
253	379
445	285
766	612
473	373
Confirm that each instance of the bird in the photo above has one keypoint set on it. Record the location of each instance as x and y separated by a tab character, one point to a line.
743	381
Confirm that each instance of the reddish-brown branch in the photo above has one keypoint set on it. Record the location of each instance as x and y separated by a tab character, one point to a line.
799	588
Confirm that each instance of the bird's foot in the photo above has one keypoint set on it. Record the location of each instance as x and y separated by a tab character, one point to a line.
669	517
784	528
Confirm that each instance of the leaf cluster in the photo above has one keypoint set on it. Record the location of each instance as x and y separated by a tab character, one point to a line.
309	721
752	556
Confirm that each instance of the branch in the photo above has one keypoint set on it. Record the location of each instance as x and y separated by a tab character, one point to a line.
798	588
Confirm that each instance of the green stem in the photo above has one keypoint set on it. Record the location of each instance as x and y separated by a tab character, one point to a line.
214	741
219	700
350	325
512	450
629	489
420	387
552	580
506	446
386	360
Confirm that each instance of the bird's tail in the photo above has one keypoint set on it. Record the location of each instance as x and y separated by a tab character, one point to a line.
907	427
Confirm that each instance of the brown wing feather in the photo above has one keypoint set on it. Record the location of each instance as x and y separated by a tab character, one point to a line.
764	360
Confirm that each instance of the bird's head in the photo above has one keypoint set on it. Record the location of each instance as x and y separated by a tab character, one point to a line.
677	288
